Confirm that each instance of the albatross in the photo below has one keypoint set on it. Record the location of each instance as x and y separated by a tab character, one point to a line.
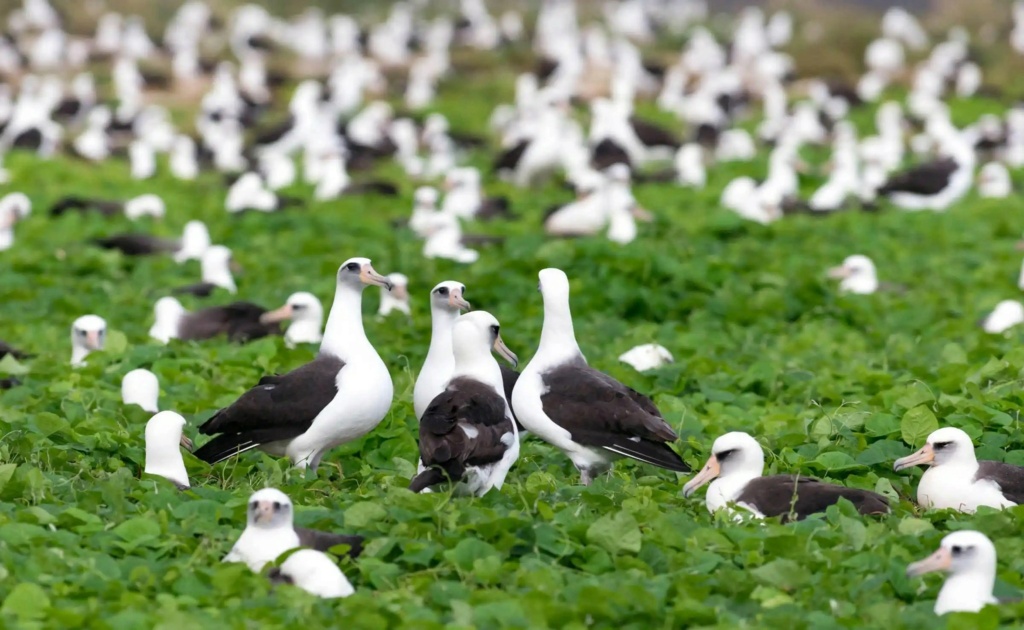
270	531
957	480
163	457
736	467
467	433
969	557
141	387
239	321
307	317
88	333
339	397
590	416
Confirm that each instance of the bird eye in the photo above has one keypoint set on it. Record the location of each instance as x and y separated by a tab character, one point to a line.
298	307
352	267
254	506
724	454
940	445
957	550
81	333
277	506
442	291
495	329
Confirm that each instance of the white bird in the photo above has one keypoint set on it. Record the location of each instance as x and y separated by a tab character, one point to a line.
446	303
340	396
647	357
148	205
994	181
1005	315
141	387
306	315
969	557
689	165
858	275
183	162
397	297
88	333
444	239
249	193
195	240
467	434
163	456
216	268
423	210
142	159
314	572
270	531
956	479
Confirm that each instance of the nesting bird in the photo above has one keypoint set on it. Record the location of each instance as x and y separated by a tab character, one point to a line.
969	559
163	456
956	479
736	468
857	275
88	334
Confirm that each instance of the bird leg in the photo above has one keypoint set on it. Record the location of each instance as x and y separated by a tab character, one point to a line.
585	476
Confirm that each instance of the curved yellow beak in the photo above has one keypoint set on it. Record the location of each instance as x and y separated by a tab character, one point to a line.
938	561
924	456
711	470
456	300
504	352
369	276
277	315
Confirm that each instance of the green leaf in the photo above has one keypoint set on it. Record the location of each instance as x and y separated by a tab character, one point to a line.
135	529
917	425
954	354
117	342
914	526
26	601
364	513
780	573
836	460
10	365
615	533
6	472
915	394
468	551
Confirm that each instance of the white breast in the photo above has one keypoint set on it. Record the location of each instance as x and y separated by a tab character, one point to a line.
954	487
256	547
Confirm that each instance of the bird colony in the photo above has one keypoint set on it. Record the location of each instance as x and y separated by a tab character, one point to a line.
520	428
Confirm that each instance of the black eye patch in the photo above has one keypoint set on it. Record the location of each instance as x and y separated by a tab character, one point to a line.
442	291
724	454
352	267
940	445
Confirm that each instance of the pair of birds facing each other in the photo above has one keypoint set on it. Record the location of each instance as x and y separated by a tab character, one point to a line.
593	418
468	431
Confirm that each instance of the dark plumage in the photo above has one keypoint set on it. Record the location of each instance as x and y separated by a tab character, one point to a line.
929	178
279	407
796	498
494	208
324	541
240	321
653	135
509	159
598	411
1010	478
8	349
137	244
70	203
608	152
462	427
201	289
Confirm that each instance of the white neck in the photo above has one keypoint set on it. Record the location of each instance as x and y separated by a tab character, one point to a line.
966	591
303	331
6	238
478	364
344	336
557	338
165	461
440	354
78	354
218	273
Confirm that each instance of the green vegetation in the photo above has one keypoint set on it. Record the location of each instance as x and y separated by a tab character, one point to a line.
834	386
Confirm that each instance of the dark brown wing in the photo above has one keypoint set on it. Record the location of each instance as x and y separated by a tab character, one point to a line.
202	289
508	160
8	349
1009	477
278	410
240	321
324	541
466	408
606	153
137	244
494	207
653	135
786	495
599	411
924	179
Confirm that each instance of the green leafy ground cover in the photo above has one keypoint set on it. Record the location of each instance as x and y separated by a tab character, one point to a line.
834	386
